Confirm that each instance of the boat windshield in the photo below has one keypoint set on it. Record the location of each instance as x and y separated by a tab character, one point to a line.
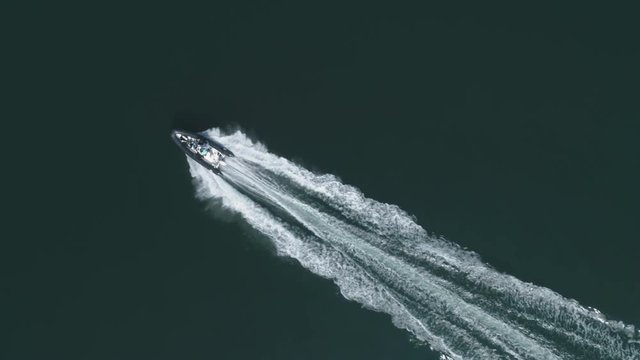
203	150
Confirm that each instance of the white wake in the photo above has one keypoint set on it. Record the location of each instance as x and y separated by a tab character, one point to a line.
380	257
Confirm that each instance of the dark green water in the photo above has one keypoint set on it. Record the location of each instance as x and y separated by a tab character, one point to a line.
512	132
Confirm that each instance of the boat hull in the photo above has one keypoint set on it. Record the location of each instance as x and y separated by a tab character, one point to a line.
219	147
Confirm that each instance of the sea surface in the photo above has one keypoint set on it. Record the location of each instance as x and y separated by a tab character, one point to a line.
484	164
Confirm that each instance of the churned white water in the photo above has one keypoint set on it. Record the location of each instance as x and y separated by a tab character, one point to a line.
380	257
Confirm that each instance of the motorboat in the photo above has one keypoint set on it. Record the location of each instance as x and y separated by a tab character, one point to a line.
203	150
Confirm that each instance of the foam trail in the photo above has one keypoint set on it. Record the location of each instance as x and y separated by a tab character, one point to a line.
380	257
